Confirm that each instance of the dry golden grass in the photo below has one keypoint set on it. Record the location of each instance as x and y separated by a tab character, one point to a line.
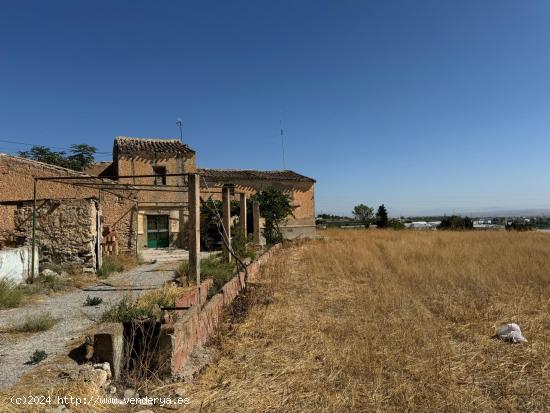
381	321
391	321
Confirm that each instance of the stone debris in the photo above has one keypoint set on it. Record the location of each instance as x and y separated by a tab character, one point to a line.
49	273
129	393
510	333
98	374
104	366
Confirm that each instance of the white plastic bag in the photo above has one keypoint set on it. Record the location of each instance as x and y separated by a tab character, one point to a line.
510	333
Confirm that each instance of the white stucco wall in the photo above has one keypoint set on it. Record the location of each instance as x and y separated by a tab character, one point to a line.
15	263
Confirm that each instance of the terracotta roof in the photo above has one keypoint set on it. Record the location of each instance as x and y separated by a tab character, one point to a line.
149	146
249	174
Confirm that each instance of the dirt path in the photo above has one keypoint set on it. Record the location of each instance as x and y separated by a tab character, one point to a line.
74	318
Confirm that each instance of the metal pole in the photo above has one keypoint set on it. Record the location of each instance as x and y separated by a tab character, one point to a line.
34	181
137	228
226	222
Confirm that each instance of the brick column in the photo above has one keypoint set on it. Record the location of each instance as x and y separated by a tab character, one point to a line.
242	217
194	228
226	220
256	221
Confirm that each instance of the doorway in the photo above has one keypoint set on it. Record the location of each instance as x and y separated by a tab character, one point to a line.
157	231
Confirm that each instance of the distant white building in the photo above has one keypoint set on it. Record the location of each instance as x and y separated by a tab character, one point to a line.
422	225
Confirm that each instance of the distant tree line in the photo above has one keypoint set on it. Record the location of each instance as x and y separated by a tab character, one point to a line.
366	216
456	222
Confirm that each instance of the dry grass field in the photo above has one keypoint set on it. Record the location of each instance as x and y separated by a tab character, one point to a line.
383	321
379	321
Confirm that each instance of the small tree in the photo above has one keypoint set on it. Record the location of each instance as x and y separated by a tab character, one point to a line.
275	207
382	217
363	214
82	156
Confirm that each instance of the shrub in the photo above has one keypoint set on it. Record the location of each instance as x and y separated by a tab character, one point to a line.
241	246
126	310
36	323
114	263
147	306
52	282
92	301
10	293
182	273
220	272
395	224
38	356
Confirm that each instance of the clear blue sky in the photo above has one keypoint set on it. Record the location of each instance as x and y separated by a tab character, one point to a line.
422	105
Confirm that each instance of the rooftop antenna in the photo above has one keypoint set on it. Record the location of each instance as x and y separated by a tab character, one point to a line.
179	123
282	142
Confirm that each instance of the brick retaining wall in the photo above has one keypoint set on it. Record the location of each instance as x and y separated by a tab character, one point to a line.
183	329
194	327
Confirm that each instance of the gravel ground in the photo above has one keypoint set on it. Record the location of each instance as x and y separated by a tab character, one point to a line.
74	317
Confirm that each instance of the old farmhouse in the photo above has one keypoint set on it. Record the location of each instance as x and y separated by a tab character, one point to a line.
138	201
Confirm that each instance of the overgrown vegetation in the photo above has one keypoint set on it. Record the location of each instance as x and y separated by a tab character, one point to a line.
36	323
93	301
38	356
10	293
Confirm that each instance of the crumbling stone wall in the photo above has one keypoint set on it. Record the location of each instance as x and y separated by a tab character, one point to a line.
66	231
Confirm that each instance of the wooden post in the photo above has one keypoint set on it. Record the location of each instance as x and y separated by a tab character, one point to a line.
256	222
194	230
242	215
226	221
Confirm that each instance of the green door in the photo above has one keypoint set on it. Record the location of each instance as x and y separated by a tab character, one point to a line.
157	231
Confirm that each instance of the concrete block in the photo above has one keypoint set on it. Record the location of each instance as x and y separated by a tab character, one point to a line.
109	346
